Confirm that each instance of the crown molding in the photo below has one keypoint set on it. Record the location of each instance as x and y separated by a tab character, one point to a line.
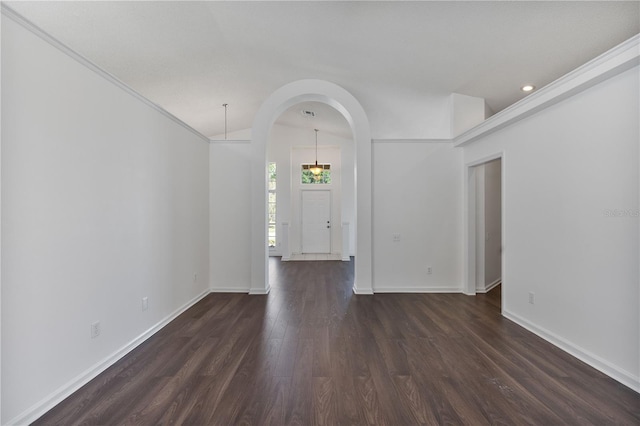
34	29
615	61
390	140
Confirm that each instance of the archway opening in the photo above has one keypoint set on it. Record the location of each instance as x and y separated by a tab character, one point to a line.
311	217
280	101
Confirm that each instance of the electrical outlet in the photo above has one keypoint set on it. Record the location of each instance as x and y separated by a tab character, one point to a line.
531	298
95	329
396	237
429	270
145	303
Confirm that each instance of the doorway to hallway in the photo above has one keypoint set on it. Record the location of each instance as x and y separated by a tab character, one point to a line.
485	237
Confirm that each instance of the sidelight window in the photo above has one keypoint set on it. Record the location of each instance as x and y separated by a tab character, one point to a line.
271	207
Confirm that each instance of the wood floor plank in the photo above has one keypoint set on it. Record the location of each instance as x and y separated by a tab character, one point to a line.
322	346
342	359
299	404
313	353
370	403
155	409
413	400
324	401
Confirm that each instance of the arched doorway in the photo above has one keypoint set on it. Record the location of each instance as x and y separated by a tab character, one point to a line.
338	98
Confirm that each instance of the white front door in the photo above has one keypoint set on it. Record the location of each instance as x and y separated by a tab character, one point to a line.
316	221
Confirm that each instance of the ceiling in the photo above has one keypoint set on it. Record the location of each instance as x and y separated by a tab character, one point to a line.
395	57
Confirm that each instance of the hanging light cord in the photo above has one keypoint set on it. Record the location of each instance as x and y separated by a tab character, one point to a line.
316	130
225	120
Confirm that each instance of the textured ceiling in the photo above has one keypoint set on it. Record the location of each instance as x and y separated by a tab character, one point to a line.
395	57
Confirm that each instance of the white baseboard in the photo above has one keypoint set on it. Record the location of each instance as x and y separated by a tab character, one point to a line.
490	287
245	290
417	289
583	355
361	292
40	408
259	291
229	290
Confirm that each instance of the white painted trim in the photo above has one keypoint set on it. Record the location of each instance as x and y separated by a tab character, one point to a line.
258	291
615	61
490	287
40	408
411	140
469	230
364	292
244	290
583	355
418	289
34	29
486	159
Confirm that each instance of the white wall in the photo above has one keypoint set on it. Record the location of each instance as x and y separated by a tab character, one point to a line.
417	193
230	216
466	112
105	201
413	115
568	170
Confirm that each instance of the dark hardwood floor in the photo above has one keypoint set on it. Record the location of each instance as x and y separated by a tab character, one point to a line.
311	352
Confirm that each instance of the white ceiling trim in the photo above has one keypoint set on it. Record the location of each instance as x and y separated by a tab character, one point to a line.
615	61
31	27
411	141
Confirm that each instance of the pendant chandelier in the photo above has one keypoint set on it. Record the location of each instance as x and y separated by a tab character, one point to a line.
316	169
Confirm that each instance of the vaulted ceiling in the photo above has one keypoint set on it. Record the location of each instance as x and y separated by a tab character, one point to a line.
399	59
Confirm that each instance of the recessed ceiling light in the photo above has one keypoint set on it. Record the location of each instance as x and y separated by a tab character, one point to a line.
527	87
308	113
